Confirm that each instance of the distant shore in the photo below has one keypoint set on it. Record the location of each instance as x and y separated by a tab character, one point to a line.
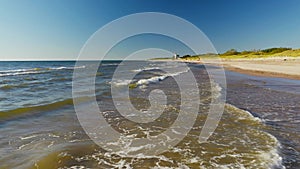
282	67
272	62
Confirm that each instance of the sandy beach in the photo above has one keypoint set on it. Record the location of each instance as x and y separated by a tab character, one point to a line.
284	67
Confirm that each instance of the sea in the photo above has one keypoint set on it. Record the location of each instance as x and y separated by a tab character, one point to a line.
40	129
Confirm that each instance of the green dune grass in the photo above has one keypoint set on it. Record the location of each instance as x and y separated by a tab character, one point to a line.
271	52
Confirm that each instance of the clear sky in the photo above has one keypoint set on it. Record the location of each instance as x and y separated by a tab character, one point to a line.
57	29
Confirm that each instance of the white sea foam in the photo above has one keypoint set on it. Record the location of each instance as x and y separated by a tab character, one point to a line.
143	82
272	158
246	114
151	80
28	137
20	73
146	68
35	70
216	90
156	79
121	82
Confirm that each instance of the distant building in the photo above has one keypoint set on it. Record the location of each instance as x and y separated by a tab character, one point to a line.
175	56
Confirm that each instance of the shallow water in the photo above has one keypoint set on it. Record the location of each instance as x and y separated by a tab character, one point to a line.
276	102
39	128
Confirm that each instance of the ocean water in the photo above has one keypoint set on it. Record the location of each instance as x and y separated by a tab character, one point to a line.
39	127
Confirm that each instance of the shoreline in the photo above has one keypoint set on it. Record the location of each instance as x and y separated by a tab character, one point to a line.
280	67
261	73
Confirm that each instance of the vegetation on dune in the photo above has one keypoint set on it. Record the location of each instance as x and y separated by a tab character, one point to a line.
234	54
270	52
189	57
230	52
274	50
198	57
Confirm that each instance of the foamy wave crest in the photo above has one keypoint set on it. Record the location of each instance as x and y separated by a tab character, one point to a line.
34	70
121	82
156	79
61	68
153	79
244	114
270	158
146	68
216	90
110	64
16	70
20	73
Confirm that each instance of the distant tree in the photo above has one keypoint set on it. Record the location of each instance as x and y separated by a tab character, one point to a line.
245	52
274	50
231	52
185	56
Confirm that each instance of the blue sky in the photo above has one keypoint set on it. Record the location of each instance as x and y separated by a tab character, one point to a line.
57	29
